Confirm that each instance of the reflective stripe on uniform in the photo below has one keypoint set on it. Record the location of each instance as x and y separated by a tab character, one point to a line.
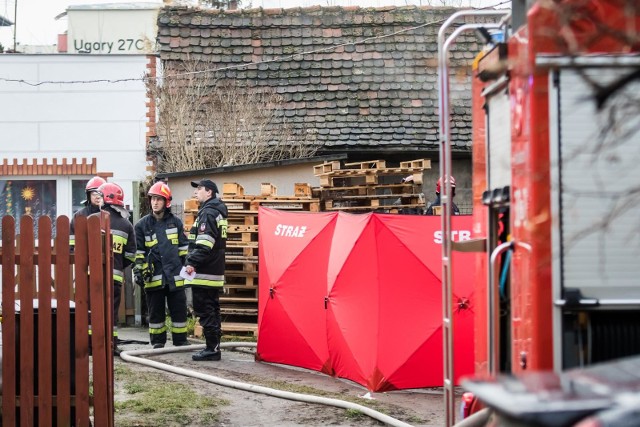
157	328
150	241
179	281
154	282
140	255
206	240
118	276
179	327
183	250
72	240
172	233
213	280
120	234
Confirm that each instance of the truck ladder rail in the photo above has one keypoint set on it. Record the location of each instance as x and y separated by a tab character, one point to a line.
445	171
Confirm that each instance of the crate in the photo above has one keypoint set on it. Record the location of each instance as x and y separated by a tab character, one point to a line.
190	205
232	189
326	167
416	164
301	189
268	189
371	164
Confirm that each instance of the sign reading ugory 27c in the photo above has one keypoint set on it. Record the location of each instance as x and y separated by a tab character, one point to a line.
113	46
128	28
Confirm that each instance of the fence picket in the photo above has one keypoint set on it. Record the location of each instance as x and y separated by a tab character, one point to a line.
45	362
63	323
8	321
99	315
81	261
25	290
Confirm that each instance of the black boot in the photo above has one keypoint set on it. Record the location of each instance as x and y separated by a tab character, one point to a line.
211	351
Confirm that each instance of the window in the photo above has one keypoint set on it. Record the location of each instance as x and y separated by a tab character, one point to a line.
78	195
28	197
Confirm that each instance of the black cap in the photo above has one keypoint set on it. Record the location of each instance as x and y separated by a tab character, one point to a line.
206	183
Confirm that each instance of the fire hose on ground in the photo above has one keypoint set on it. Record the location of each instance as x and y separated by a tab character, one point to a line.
133	356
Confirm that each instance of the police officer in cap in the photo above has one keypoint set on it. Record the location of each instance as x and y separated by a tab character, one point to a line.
205	261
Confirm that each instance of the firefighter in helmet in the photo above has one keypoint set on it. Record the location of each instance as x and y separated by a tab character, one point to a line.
91	204
437	202
161	248
123	241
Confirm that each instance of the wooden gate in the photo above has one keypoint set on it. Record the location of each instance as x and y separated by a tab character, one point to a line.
46	294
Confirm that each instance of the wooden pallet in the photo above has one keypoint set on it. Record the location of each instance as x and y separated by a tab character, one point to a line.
386	201
368	190
370	164
234	327
326	167
290	203
381	209
350	177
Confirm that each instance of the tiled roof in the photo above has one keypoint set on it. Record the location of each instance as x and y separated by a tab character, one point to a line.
370	83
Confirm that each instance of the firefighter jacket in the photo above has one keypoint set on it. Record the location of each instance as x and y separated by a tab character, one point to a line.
161	249
437	202
123	241
207	243
86	211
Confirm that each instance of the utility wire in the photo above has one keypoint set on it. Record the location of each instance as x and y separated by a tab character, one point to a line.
237	66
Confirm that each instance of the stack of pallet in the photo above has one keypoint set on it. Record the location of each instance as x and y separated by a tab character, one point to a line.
239	304
371	186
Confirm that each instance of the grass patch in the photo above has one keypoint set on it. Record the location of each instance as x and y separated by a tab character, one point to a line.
151	399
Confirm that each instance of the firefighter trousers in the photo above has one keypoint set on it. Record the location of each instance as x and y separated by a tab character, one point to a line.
117	296
206	305
177	303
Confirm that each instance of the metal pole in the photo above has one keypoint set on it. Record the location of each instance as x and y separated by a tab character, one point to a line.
15	26
445	173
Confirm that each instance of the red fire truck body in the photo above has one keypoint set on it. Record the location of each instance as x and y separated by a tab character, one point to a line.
520	142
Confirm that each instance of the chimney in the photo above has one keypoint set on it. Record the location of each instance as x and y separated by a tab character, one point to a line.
62	43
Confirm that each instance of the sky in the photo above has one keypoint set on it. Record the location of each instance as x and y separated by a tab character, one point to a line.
36	23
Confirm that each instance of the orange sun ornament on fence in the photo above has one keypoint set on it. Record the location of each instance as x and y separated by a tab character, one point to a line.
28	193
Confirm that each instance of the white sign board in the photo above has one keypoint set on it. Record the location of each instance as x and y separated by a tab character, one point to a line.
118	31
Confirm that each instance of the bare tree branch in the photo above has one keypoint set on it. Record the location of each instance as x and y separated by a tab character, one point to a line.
206	122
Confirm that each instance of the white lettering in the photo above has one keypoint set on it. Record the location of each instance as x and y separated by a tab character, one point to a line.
456	236
290	230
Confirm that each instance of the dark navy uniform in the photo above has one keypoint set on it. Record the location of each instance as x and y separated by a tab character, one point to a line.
207	243
123	242
161	249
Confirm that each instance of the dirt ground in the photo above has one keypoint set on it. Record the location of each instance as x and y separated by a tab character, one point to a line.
209	404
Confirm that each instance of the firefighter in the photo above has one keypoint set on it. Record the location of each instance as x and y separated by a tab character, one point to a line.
91	204
123	241
436	202
205	261
161	249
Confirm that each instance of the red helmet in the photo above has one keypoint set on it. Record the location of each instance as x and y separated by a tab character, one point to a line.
94	183
162	190
452	180
112	194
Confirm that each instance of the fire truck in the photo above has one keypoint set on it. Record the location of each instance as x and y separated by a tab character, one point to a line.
556	189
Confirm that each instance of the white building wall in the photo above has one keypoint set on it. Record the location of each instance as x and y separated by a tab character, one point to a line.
76	106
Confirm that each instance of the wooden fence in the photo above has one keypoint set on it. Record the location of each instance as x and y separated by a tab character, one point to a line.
46	346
